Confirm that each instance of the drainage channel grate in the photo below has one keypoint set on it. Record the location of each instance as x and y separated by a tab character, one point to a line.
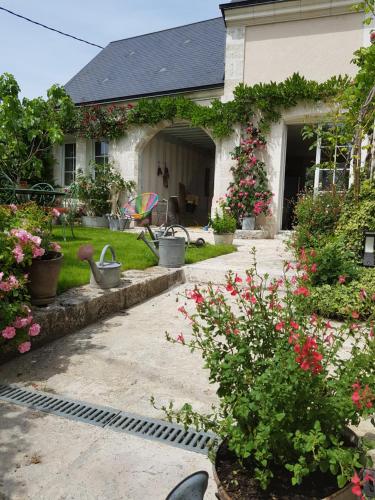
110	418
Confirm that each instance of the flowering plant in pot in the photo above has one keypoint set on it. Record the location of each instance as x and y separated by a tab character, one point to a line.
289	384
27	231
248	195
96	188
224	227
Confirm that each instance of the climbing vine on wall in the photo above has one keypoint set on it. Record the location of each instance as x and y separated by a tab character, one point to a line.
264	100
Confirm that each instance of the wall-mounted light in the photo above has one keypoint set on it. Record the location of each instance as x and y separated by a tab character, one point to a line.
369	253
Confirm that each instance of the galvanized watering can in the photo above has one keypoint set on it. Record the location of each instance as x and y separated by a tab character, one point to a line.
104	274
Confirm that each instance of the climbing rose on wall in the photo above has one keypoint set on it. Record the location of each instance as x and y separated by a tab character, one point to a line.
248	193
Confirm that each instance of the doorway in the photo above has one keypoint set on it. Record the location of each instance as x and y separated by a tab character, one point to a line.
299	158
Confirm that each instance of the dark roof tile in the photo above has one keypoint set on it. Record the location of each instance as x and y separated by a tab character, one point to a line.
177	59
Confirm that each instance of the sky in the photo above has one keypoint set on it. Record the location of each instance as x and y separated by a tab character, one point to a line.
39	58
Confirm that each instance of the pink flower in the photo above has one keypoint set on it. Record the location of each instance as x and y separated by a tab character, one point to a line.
197	297
34	330
357	489
302	290
13	207
341	279
237	279
279	326
294	325
24	347
314	268
9	332
22	322
18	253
38	252
181	338
55	212
55	246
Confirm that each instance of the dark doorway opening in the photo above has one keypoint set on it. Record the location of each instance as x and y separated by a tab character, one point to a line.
299	158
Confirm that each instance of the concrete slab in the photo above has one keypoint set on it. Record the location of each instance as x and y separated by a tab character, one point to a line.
48	458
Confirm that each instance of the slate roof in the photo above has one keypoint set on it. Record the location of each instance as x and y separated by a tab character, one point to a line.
165	62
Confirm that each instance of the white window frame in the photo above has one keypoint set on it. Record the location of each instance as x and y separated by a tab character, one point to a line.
105	156
64	157
318	170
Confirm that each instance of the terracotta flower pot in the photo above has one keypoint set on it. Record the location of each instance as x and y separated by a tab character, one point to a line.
43	278
222	494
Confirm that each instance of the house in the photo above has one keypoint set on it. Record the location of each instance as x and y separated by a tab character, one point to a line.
253	41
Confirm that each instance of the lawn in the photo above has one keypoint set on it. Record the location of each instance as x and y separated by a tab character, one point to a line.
133	254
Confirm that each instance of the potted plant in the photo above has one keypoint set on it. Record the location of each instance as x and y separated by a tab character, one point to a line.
29	231
94	190
288	384
248	194
118	187
224	227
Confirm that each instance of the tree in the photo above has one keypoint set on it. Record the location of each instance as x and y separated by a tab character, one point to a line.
29	127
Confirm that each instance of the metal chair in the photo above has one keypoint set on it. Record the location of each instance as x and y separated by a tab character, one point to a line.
44	198
140	207
191	488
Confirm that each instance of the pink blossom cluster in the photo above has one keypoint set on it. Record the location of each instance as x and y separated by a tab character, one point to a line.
9	284
26	241
22	324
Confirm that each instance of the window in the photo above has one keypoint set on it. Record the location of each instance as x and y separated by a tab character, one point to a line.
333	162
69	163
101	152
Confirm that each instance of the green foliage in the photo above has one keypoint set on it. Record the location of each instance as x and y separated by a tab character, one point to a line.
266	99
223	224
338	301
368	7
332	260
357	218
285	396
316	218
94	187
29	127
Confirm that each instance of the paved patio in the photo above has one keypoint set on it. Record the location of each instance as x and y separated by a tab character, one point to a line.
119	362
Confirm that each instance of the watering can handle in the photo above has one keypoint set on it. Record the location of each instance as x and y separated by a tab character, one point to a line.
102	255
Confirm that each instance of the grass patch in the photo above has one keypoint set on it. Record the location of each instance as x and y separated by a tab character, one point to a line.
133	254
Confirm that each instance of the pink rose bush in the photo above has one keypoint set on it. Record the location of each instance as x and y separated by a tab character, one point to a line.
289	382
24	236
248	194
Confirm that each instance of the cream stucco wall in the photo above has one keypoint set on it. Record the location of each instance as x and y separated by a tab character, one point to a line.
316	48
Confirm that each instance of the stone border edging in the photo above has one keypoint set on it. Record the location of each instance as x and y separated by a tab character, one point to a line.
82	306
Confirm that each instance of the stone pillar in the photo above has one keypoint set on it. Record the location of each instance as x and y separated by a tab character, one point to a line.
274	159
234	60
223	164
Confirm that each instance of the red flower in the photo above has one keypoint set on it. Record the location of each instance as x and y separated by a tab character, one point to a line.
279	326
181	338
341	279
357	488
355	315
196	296
237	279
314	268
302	290
294	325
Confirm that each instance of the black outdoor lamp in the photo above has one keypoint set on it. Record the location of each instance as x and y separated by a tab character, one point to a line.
369	253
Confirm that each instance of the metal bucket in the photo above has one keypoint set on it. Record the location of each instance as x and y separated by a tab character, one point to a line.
106	274
171	251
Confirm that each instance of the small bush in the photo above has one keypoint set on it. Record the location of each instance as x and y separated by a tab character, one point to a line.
316	218
340	300
356	219
331	261
223	224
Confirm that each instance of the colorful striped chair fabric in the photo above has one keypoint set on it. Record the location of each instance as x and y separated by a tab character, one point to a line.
141	206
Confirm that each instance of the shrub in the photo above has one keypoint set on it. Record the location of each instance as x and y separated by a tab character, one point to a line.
356	219
325	264
94	188
316	218
338	301
285	396
223	224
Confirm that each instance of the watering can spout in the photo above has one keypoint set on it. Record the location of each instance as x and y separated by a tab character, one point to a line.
150	245
86	252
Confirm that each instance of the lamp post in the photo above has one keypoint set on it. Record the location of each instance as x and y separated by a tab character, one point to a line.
369	253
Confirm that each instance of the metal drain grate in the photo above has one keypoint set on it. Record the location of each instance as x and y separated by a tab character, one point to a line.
105	417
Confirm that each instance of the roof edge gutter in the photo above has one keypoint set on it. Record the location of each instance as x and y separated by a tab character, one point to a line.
155	94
